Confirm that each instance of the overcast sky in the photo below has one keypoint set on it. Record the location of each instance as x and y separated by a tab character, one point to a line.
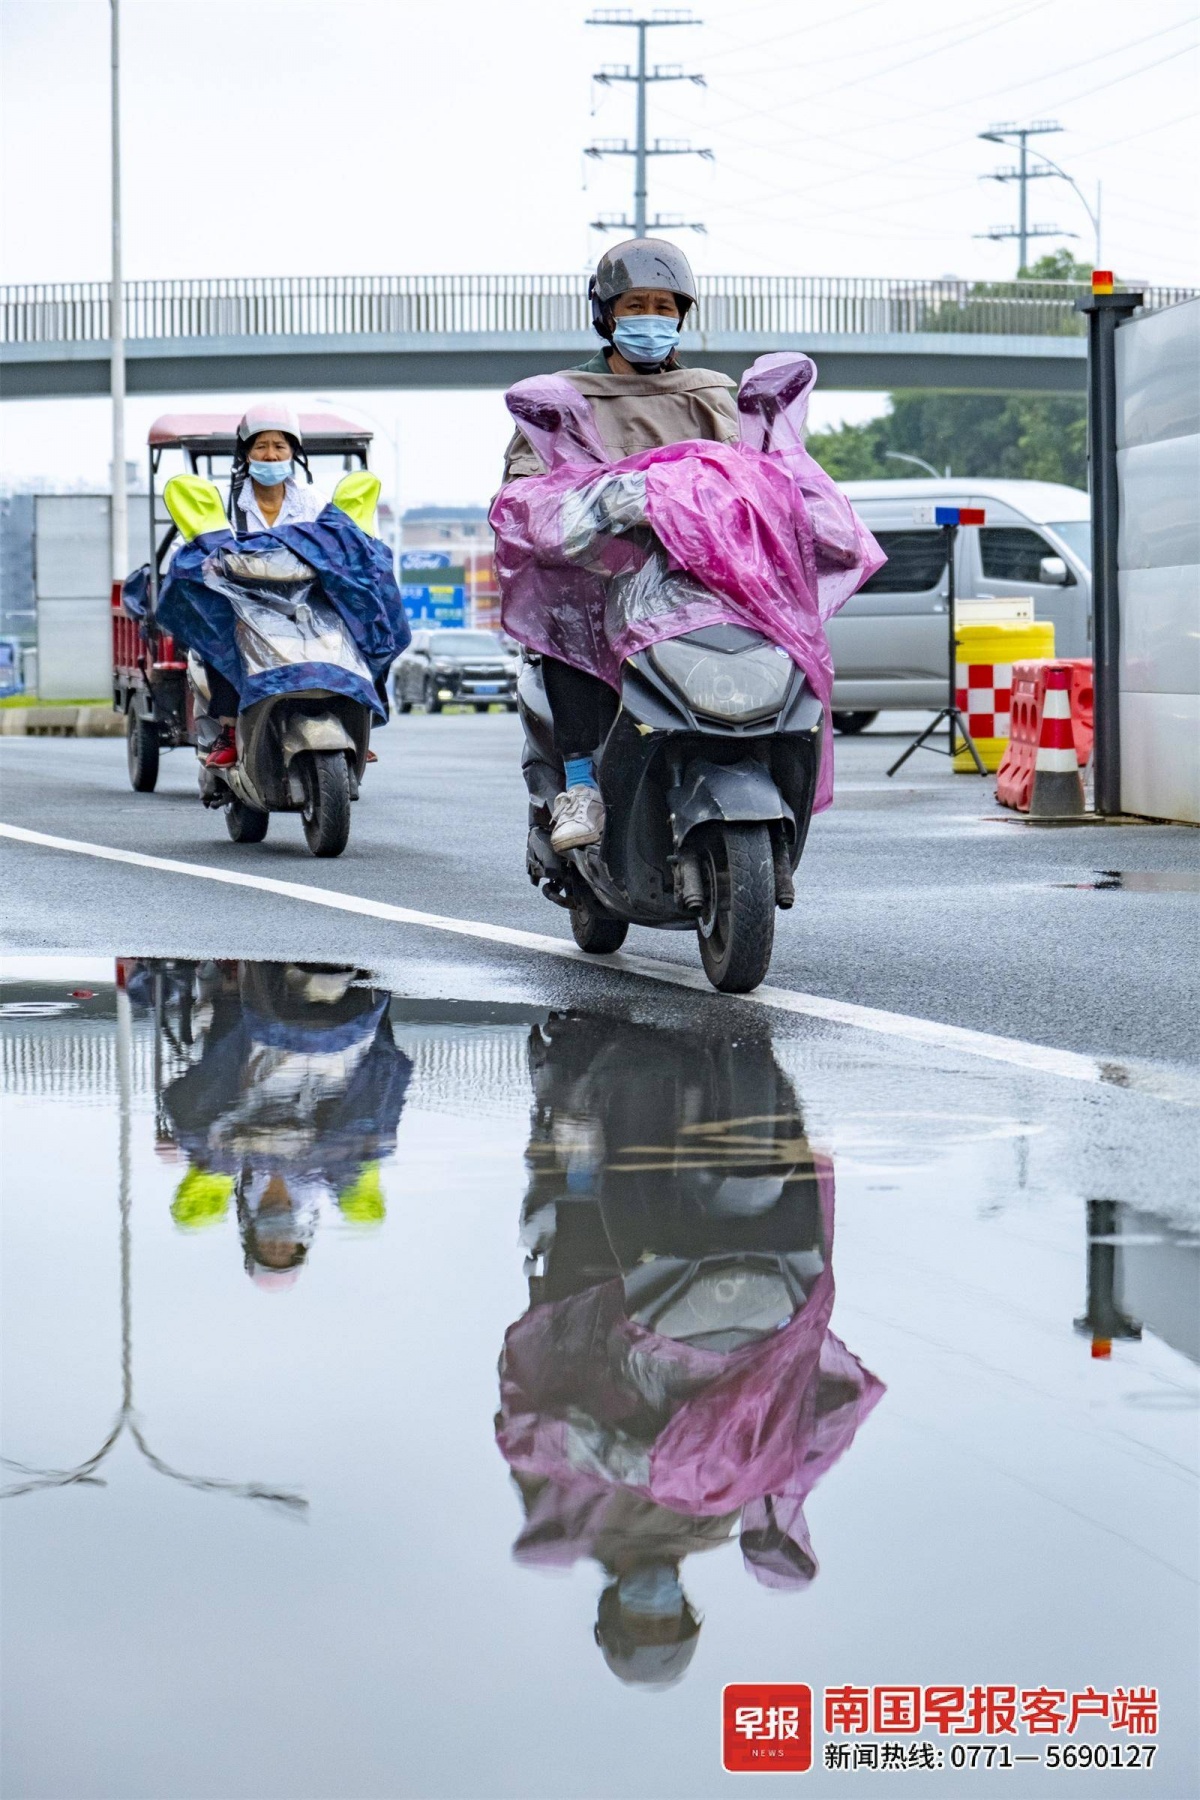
277	137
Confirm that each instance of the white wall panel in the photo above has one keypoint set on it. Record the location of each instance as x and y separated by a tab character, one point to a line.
1160	756
1160	630
1158	376
1160	503
71	556
71	553
1158	469
74	649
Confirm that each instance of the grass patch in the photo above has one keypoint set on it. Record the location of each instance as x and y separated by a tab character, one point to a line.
32	700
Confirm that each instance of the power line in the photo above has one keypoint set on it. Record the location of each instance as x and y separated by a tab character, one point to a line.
926	112
640	150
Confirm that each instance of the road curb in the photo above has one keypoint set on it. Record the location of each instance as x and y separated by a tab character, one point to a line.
61	721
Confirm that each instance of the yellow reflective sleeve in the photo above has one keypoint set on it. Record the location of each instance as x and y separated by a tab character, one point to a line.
201	1199
357	495
363	1201
195	505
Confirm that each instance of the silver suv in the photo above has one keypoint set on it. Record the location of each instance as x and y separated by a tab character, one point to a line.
889	641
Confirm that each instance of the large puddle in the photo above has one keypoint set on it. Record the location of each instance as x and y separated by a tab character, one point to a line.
419	1398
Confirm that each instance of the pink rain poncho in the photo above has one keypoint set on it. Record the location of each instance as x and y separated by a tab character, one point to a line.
754	1432
597	560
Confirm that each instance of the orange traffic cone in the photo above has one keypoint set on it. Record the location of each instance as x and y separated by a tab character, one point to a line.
1057	783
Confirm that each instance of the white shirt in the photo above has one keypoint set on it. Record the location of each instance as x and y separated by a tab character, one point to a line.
301	501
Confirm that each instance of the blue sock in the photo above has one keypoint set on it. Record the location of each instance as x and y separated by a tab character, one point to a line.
581	771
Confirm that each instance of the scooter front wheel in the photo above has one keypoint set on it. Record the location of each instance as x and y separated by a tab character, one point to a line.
737	926
245	824
594	929
326	811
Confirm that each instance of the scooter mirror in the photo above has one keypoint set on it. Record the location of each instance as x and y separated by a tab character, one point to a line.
357	495
195	506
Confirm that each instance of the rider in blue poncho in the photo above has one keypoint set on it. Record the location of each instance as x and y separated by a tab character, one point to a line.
271	508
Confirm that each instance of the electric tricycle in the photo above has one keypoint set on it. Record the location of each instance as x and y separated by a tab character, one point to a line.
151	688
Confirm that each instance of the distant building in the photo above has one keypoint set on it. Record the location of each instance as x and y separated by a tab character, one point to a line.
445	527
18	605
462	537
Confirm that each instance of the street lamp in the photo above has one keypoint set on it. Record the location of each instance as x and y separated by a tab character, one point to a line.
119	526
919	462
1082	197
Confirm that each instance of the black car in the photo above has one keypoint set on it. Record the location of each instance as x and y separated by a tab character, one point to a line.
456	668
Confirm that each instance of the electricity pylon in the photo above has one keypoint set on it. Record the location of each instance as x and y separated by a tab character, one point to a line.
640	149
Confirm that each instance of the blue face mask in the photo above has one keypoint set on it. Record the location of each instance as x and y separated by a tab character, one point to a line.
646	340
270	474
653	1592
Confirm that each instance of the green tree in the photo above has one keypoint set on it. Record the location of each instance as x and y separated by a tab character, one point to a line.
1031	437
1057	265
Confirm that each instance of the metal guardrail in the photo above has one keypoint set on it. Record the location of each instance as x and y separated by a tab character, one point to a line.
381	305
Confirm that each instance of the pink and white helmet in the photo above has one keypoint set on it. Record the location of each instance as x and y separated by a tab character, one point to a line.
268	415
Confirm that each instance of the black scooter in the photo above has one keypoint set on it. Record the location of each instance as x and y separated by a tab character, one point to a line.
708	776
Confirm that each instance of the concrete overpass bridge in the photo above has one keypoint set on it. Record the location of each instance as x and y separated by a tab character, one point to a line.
486	331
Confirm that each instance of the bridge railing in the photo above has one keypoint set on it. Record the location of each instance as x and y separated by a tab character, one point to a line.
764	306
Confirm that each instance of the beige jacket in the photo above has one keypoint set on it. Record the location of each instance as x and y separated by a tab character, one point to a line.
642	412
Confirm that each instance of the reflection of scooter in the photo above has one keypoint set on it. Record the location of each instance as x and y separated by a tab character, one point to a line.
290	1098
674	1378
304	735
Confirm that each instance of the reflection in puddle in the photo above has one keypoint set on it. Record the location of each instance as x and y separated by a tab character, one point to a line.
674	1380
1142	881
670	1383
286	1093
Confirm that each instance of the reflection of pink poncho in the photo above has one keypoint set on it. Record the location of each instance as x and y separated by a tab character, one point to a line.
752	1434
757	532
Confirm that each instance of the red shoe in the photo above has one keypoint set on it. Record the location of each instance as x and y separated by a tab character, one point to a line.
223	754
371	756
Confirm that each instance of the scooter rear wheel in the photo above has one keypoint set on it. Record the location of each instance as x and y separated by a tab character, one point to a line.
594	929
141	752
326	812
737	927
245	824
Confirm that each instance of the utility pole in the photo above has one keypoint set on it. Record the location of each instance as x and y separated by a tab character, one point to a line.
641	150
1019	136
116	322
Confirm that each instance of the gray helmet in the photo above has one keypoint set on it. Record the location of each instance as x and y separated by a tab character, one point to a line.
640	263
268	415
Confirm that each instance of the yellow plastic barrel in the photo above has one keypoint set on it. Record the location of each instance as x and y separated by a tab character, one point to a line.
984	659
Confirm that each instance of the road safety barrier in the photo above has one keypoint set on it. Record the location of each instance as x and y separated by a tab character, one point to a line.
61	721
986	654
1051	737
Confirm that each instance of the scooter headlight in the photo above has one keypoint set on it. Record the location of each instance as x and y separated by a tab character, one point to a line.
748	685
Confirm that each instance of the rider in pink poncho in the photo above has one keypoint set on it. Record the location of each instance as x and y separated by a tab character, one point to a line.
634	439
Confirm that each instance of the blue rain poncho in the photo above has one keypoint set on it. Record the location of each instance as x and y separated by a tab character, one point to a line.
309	605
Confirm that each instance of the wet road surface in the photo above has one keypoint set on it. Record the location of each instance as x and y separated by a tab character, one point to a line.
918	896
435	1367
421	1385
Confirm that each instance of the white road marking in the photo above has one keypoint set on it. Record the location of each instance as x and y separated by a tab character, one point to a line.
1159	1081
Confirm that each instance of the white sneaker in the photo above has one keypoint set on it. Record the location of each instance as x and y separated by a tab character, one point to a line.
578	819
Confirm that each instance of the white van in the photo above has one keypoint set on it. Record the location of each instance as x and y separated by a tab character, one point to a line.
889	642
